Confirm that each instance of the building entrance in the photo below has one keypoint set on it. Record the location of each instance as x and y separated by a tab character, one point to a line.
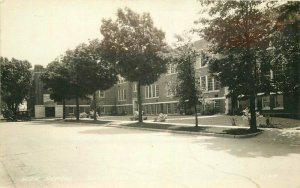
50	111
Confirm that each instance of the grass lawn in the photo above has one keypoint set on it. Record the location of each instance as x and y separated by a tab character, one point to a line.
226	120
217	130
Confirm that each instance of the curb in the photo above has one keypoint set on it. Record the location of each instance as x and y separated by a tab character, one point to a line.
187	132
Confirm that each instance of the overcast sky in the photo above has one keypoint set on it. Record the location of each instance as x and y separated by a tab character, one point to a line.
41	30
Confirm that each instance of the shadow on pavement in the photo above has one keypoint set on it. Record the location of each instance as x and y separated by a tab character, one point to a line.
70	123
112	131
268	144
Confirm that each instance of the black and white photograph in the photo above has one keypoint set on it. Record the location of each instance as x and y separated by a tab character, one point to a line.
149	93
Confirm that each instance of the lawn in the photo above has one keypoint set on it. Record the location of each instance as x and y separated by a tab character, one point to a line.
216	120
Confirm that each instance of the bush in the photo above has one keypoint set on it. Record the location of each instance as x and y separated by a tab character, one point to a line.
8	114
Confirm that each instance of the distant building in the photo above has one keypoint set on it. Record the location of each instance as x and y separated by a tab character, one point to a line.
41	105
159	97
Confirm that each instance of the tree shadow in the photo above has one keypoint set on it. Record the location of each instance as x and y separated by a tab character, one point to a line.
268	144
112	131
71	123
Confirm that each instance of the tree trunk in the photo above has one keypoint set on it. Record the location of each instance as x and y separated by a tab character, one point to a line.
77	107
252	111
64	107
139	101
196	116
95	106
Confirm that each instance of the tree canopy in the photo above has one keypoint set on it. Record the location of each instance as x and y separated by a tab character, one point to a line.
134	44
88	70
238	31
187	87
15	84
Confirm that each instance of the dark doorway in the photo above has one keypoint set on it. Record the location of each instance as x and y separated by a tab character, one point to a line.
161	108
50	111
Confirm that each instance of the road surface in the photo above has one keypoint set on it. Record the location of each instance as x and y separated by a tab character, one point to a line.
56	154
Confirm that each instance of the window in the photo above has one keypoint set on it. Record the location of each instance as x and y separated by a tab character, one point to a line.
172	69
175	108
101	94
71	110
134	88
278	99
121	94
156	90
217	84
266	102
277	71
168	108
209	83
151	91
203	60
203	83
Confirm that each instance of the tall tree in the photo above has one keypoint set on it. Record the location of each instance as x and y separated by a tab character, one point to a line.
237	30
89	72
187	87
98	74
134	44
286	49
57	80
15	84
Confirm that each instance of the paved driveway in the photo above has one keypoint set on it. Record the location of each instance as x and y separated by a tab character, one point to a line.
54	154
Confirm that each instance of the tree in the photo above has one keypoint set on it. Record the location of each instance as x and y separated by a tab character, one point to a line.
237	31
15	84
187	87
89	72
286	47
98	74
134	44
57	80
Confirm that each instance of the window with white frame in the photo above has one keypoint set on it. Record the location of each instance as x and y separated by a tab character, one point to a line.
203	83
168	108
121	94
134	89
172	69
209	83
217	84
278	99
151	91
266	102
101	94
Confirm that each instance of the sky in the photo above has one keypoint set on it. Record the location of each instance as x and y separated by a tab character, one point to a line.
41	30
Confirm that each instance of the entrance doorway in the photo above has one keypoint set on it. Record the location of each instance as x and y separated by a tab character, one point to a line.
50	111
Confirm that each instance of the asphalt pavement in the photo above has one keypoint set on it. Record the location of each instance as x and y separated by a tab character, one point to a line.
60	154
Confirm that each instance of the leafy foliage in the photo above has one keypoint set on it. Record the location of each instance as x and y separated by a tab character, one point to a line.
134	44
88	71
187	87
15	84
238	31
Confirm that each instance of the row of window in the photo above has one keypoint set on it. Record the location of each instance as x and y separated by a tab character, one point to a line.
152	91
208	83
200	62
169	108
278	102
